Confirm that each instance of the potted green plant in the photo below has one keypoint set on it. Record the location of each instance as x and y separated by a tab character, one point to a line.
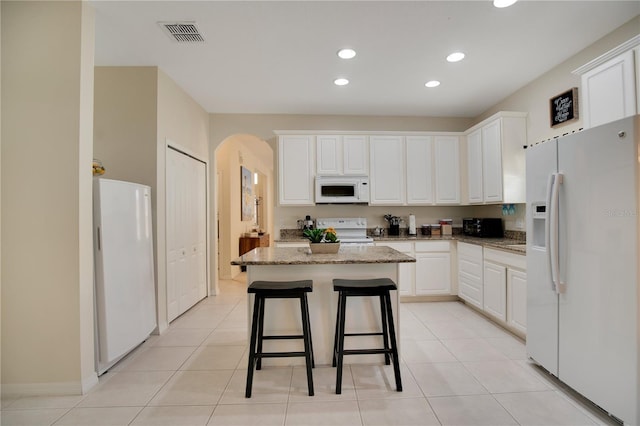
322	241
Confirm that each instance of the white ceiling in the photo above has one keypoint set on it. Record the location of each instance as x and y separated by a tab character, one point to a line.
280	57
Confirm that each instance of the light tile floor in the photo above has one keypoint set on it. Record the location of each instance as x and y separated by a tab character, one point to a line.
458	369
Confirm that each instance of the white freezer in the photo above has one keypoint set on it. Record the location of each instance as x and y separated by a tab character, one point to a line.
124	277
587	332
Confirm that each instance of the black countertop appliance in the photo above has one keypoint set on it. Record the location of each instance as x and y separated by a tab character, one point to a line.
482	227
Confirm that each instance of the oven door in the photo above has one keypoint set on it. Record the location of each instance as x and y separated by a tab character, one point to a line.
356	242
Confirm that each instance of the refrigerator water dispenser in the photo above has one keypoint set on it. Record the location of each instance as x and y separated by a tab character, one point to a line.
539	216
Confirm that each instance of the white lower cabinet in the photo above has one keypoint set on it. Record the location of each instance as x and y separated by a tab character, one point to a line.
406	270
517	300
433	268
495	290
430	275
505	288
470	274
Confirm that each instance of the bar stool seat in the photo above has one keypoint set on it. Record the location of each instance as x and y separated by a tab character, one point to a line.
279	290
366	287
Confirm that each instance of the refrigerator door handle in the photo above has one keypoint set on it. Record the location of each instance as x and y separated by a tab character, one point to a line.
547	230
553	232
560	284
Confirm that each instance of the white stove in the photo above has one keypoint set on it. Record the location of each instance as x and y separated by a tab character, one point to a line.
351	231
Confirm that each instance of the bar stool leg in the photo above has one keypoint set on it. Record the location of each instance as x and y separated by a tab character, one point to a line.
252	346
394	343
340	351
260	331
385	332
306	301
336	334
306	332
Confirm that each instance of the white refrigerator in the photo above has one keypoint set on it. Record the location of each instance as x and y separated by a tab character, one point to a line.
583	320
125	304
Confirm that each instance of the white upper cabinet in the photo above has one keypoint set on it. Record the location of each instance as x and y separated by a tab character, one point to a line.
296	175
474	166
342	155
355	149
492	161
420	185
636	55
447	169
414	170
329	155
496	159
609	91
387	170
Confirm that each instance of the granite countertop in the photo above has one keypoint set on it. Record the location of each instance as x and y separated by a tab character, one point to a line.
303	256
505	244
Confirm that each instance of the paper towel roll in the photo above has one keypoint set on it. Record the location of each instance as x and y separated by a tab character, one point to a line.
412	225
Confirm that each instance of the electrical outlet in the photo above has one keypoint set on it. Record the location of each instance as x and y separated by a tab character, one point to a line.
519	224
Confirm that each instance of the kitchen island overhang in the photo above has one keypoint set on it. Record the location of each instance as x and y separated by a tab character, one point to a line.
297	263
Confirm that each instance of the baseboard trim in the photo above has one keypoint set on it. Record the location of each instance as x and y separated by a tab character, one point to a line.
41	389
89	382
50	389
443	298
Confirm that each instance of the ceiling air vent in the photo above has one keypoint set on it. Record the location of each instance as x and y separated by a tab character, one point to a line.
182	32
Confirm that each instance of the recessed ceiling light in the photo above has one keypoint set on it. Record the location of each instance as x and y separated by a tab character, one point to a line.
432	83
503	3
346	53
455	57
340	81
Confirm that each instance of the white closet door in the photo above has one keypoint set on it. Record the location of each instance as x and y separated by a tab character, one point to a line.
186	232
175	249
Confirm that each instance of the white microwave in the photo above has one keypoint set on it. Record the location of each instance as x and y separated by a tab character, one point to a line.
342	189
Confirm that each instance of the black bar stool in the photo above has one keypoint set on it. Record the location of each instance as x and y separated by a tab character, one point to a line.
278	290
367	287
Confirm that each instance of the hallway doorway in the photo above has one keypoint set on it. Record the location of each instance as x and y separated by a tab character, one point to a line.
252	156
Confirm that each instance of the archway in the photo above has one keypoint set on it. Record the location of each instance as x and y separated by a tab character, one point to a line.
234	154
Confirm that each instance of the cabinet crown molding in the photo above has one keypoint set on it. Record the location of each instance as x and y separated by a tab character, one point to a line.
366	132
627	45
500	114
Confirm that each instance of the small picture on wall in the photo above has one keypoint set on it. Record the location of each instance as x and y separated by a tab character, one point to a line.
564	107
246	195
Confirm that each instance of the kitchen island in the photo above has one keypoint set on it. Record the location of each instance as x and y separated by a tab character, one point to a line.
297	263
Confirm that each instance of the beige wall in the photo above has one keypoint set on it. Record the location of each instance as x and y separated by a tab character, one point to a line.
184	124
263	125
534	97
138	112
0	199
47	276
125	128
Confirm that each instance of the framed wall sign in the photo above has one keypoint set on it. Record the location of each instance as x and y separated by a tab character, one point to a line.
246	196
564	107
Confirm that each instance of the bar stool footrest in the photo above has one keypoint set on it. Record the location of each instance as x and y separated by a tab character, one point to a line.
364	334
279	354
366	351
284	337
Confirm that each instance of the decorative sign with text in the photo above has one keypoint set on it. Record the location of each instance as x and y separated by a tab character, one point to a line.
564	107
